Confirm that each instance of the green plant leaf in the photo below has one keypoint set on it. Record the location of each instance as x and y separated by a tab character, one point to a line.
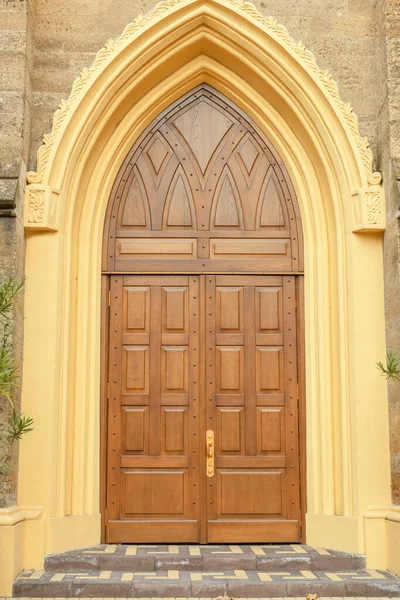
391	368
8	373
18	425
8	290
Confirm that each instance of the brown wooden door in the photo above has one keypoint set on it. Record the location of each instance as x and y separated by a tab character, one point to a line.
251	404
153	417
191	355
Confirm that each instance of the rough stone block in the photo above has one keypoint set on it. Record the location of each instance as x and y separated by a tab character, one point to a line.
363	9
12	71
13	41
19	6
394	423
337	8
278	8
72	8
13	21
8	188
10	153
11	124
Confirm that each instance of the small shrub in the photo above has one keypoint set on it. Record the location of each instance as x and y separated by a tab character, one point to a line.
391	368
18	424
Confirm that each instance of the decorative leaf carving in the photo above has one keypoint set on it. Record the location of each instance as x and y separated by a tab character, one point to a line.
35	206
374	207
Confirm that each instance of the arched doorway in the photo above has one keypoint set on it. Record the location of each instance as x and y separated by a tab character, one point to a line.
253	61
202	260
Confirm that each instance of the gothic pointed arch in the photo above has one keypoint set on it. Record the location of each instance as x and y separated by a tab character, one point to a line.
252	61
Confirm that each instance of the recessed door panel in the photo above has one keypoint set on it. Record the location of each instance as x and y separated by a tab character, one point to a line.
154	494
251	493
135	427
135	362
174	430
230	425
270	429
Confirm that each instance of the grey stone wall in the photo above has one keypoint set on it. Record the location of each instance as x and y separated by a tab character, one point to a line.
357	40
16	67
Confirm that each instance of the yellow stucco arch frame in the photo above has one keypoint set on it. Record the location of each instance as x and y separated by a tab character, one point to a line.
254	62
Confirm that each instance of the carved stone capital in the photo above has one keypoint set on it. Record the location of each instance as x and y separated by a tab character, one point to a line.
369	209
40	207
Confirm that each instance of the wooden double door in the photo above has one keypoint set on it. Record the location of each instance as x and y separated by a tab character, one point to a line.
202	410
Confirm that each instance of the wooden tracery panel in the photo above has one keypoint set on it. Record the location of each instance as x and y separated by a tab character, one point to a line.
210	188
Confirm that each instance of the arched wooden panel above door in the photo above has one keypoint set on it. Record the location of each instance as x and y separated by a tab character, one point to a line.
203	190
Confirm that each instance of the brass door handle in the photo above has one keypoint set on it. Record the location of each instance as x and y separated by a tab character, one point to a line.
209	450
210	453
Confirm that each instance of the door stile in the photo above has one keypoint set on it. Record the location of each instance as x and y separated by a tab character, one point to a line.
291	402
301	399
104	397
210	395
114	402
202	417
194	402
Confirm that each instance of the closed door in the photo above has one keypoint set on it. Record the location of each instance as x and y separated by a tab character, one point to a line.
154	441
202	409
251	405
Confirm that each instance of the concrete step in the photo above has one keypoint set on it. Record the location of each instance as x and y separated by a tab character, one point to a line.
238	583
183	557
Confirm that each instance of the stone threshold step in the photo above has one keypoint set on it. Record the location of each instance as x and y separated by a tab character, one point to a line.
237	584
198	558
